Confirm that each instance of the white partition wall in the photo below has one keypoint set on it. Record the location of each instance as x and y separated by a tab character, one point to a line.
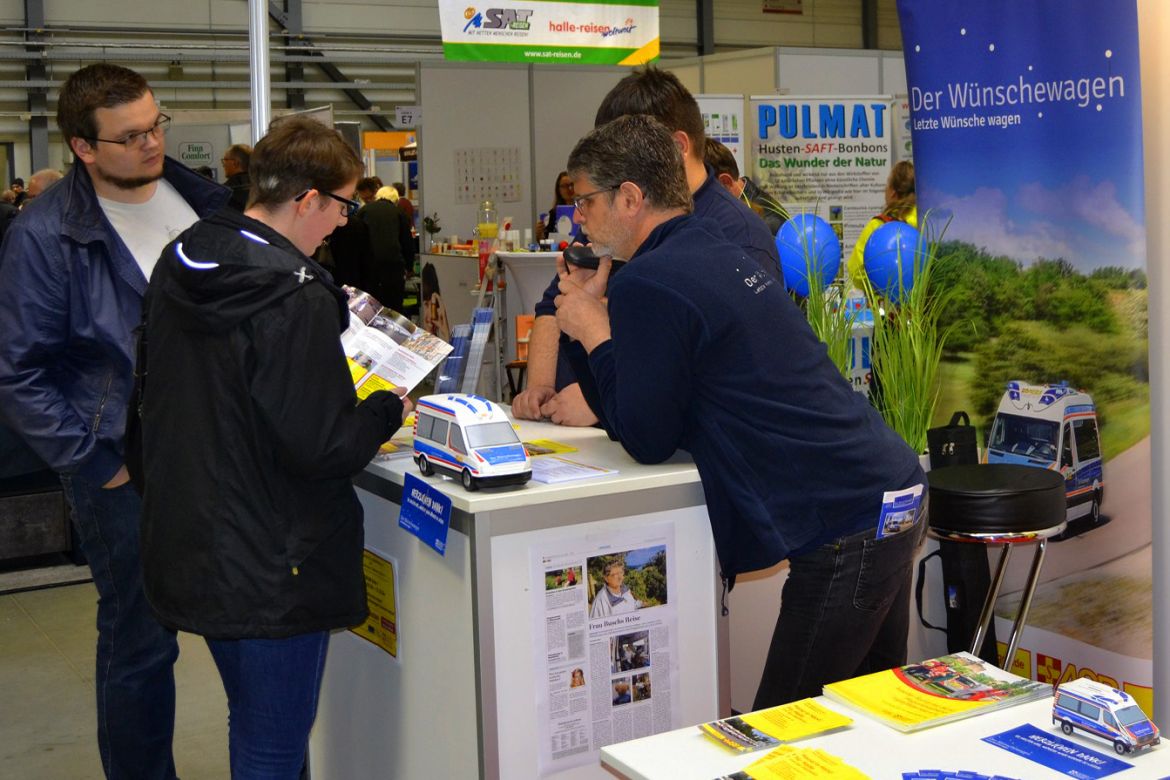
564	102
541	111
749	72
893	70
794	71
689	72
821	72
472	106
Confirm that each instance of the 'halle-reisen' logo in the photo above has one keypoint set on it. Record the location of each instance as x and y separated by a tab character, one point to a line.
498	19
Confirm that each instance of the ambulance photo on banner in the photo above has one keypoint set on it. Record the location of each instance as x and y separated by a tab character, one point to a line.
1026	123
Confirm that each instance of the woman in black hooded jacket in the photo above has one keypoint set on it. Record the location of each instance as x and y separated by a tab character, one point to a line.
251	530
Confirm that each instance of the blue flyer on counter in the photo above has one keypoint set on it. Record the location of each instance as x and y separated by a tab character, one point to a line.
1057	753
959	774
426	513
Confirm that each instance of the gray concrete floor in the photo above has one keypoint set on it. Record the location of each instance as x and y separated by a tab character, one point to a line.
47	716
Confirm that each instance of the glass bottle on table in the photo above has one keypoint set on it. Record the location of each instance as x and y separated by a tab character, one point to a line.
488	222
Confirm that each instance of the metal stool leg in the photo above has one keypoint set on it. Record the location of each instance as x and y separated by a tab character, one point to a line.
1026	601
988	613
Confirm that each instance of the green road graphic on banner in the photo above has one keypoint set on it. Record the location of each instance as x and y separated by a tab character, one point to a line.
646	3
499	52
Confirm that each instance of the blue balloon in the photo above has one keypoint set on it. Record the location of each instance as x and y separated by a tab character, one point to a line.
893	258
807	243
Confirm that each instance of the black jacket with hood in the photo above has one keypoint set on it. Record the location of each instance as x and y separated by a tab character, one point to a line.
251	433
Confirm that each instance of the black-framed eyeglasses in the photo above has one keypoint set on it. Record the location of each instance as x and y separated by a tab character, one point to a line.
138	140
579	201
350	206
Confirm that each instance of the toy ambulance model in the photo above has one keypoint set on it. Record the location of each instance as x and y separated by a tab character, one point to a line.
1053	427
1103	712
470	438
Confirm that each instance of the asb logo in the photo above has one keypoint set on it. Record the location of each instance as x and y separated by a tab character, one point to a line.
498	19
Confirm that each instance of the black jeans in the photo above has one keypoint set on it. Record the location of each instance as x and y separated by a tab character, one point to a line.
844	611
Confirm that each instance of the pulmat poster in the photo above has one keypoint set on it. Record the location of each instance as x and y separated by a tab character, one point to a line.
1026	123
828	156
608	632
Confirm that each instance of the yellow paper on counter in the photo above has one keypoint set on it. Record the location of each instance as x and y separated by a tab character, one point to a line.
790	722
792	763
547	447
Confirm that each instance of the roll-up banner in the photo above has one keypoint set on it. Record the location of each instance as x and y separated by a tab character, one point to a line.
592	33
1026	123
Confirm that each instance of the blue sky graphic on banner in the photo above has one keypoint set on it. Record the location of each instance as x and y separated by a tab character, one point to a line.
1026	121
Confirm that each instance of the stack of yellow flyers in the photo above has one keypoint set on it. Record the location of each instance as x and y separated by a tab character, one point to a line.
773	726
792	763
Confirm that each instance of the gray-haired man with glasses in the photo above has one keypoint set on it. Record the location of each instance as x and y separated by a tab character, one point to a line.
73	269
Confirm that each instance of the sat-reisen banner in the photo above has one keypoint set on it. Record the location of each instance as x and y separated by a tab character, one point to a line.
596	33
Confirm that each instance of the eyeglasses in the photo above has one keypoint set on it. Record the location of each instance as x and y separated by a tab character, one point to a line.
579	201
350	207
138	140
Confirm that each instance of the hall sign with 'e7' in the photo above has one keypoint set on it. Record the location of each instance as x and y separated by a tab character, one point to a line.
408	116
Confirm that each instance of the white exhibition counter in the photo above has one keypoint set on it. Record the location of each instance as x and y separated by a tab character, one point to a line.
470	690
879	751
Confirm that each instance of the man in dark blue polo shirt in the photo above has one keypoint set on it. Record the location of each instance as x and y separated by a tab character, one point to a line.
552	390
694	347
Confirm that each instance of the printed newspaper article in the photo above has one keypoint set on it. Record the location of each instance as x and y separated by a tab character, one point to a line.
609	630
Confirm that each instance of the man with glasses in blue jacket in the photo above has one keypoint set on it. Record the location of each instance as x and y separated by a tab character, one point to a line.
73	269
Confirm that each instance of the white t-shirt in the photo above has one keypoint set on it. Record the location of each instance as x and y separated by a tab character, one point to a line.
147	227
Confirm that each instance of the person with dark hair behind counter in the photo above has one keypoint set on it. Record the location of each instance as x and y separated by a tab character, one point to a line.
563	197
719	158
552	390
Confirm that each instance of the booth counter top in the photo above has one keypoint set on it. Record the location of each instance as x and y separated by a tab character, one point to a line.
385	477
881	752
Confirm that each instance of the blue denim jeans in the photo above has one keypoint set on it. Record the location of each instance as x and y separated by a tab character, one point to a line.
844	612
135	654
272	687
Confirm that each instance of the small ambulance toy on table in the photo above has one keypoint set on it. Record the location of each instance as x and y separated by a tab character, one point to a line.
1103	712
470	438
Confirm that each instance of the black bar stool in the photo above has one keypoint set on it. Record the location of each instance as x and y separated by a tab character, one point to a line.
999	503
